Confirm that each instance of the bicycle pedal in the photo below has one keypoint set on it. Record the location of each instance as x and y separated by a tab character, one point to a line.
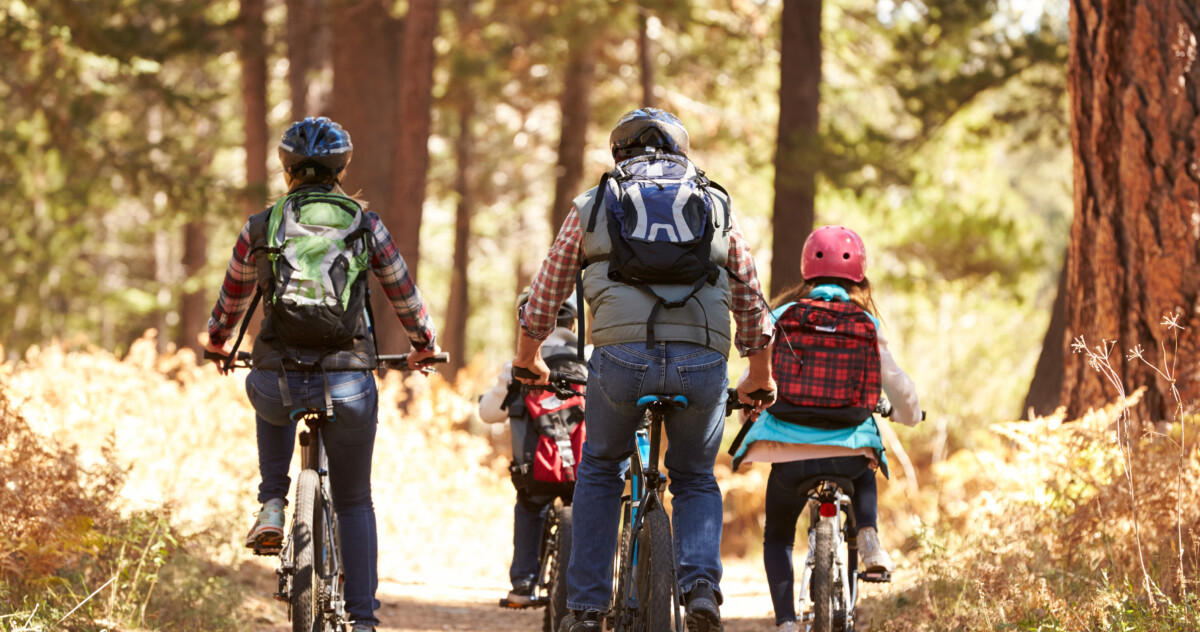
267	549
280	597
512	605
875	577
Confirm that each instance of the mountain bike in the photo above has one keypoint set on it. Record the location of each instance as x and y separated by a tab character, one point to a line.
829	584
311	579
554	555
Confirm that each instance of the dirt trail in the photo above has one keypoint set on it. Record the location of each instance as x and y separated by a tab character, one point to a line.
409	607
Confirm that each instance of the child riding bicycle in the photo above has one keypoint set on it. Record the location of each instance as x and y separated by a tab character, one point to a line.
504	402
805	433
315	349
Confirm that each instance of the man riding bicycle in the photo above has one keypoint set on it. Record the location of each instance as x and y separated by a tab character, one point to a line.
652	338
297	365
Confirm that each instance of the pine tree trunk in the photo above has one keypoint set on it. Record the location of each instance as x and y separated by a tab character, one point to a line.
795	156
194	305
1045	390
301	40
458	307
410	157
646	55
254	102
1135	239
575	104
366	84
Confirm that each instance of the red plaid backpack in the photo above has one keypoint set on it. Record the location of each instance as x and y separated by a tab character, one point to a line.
826	364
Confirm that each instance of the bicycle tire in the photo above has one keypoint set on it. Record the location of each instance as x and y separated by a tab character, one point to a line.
656	573
822	578
556	602
307	538
621	571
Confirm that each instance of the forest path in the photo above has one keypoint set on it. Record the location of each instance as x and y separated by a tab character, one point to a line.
439	606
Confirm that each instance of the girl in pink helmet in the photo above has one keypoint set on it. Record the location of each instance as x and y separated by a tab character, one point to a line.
801	439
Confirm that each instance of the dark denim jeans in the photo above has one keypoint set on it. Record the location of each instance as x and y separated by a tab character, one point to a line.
349	443
617	376
529	516
784	506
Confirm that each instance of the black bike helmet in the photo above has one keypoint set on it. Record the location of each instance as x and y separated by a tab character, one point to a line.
314	145
648	128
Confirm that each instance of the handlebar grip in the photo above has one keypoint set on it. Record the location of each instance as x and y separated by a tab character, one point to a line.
212	355
761	394
524	373
566	378
437	358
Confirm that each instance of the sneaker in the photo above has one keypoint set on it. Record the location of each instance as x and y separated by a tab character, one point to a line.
521	595
701	609
362	627
580	621
874	557
787	626
267	531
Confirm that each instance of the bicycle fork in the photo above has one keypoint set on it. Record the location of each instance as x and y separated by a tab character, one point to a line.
830	505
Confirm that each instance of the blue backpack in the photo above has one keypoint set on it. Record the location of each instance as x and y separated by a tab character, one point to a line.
659	211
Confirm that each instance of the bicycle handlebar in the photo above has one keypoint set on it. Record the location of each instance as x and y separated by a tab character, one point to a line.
398	362
732	402
560	383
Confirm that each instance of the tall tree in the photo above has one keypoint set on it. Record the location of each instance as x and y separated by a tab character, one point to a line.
575	105
252	30
646	56
410	157
301	41
795	155
1135	242
458	305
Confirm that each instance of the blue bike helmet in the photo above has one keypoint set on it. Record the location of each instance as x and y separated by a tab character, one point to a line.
315	145
646	128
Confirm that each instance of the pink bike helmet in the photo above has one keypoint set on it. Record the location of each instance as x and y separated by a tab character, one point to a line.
834	251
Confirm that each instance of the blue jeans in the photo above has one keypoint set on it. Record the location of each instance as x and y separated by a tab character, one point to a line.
784	506
529	517
617	376
349	443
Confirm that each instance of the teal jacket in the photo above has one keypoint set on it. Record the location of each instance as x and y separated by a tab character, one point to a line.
769	428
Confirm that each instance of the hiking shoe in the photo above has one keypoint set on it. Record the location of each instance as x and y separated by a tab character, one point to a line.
521	595
874	557
579	621
267	532
701	609
787	626
362	627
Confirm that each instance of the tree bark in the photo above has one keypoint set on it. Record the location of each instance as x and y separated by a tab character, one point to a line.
193	317
646	55
366	84
458	306
795	156
301	38
1135	240
575	104
1045	391
254	102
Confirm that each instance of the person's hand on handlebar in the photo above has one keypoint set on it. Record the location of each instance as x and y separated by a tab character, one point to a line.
217	350
529	356
758	381
416	358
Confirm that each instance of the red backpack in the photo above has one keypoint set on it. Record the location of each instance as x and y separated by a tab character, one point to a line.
548	432
826	364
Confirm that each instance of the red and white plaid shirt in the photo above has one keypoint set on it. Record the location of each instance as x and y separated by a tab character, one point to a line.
241	278
556	280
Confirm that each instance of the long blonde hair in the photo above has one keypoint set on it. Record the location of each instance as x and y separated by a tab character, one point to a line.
335	181
860	293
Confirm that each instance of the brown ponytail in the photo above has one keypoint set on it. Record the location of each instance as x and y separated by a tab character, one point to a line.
860	293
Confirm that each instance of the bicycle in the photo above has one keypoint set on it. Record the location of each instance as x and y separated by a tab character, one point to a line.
554	555
311	579
829	583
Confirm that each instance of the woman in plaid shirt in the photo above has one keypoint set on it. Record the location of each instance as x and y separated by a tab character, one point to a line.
286	375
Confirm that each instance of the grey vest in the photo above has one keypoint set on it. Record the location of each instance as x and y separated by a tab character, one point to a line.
620	311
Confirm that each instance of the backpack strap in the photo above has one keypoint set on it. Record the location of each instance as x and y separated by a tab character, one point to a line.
245	325
598	202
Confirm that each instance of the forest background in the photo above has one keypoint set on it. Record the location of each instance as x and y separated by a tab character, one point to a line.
966	141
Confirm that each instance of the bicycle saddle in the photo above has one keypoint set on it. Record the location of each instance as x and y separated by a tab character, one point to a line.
808	484
678	402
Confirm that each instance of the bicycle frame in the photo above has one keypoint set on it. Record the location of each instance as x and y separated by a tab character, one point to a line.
830	503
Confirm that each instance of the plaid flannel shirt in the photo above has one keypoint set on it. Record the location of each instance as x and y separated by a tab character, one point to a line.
556	280
241	278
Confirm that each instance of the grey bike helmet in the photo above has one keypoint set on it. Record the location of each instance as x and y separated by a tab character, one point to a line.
648	128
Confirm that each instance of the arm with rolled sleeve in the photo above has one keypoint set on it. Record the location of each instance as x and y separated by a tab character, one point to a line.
389	267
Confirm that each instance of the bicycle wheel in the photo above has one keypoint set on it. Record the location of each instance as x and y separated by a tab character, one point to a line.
655	573
556	602
822	578
619	620
307	540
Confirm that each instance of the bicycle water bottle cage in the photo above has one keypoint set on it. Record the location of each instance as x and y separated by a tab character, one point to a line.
678	402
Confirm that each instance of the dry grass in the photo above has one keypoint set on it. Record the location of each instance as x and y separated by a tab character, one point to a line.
1033	531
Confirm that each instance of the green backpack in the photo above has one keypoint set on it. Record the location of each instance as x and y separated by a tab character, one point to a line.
318	248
